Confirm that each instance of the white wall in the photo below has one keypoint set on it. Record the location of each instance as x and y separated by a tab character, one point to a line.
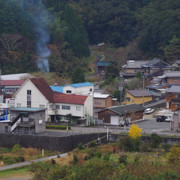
37	98
88	105
73	111
80	90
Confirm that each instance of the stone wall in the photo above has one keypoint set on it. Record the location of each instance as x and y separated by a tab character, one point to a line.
61	144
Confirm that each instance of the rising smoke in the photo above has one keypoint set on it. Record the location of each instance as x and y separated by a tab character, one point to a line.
40	19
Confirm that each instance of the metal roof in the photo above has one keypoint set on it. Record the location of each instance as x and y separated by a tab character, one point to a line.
139	93
76	85
99	95
172	74
174	89
135	63
27	109
57	88
130	108
103	63
15	76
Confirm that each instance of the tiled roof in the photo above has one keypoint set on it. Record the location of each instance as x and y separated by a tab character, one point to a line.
12	82
130	108
80	84
69	98
57	88
153	63
139	93
43	87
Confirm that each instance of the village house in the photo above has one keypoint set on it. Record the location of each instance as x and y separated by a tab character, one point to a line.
36	93
103	101
102	66
115	114
132	67
149	69
85	88
173	98
172	78
176	120
138	96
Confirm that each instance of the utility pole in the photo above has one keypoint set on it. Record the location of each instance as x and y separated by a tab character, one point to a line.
143	90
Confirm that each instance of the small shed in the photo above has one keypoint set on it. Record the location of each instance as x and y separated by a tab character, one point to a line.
27	120
115	114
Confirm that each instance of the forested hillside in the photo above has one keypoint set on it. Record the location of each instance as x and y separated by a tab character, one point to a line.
33	31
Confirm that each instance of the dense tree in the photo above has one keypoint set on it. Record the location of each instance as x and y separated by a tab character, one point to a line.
78	75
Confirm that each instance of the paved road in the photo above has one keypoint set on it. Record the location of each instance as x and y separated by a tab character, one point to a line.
27	163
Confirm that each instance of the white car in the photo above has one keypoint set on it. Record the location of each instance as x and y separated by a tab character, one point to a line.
149	111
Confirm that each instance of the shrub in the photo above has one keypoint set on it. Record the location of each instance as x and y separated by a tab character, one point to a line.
91	155
135	131
9	160
155	140
107	156
145	147
129	144
75	159
60	127
123	159
174	154
16	148
136	159
80	146
98	154
167	147
92	144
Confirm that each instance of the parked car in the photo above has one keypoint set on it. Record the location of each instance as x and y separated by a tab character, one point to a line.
149	111
161	118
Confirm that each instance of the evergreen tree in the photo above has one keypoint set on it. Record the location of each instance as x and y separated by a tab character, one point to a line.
78	75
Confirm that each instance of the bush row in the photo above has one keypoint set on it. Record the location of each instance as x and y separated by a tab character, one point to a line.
11	160
57	127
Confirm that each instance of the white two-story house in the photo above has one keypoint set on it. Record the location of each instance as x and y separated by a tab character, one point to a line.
36	93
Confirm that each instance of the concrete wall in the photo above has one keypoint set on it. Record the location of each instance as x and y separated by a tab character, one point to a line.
61	144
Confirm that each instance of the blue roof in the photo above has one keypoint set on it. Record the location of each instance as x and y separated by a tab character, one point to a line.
80	84
103	63
57	88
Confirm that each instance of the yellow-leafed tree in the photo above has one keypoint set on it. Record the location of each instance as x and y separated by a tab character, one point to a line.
135	131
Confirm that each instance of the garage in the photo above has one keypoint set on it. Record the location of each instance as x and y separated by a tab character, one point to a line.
114	120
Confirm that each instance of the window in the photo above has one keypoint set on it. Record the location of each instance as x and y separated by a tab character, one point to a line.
57	106
41	106
18	104
78	108
97	101
68	91
128	99
90	90
51	106
66	107
28	98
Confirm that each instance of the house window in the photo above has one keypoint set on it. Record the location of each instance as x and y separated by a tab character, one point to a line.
51	106
41	106
90	90
57	106
66	107
28	98
78	108
128	99
68	91
18	104
97	101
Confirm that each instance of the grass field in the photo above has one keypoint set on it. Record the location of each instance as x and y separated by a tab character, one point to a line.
16	174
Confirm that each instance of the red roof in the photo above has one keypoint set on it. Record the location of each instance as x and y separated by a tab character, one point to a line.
43	87
69	98
12	82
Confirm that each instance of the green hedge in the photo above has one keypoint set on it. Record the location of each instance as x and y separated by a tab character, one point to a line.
57	127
